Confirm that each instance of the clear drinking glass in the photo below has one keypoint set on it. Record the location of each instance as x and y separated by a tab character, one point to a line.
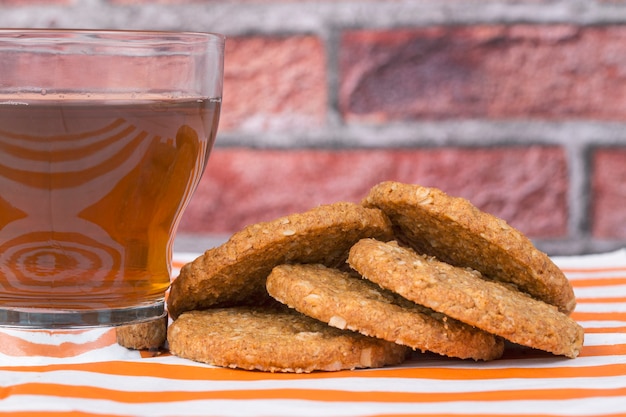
104	136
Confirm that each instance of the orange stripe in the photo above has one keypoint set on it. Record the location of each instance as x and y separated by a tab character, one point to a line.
502	373
178	264
184	372
598	282
412	413
146	353
590	270
608	316
601	300
621	329
15	346
138	397
603	350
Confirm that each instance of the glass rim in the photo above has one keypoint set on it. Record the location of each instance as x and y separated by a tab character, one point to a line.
54	35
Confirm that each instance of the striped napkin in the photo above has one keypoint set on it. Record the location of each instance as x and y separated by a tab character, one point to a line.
84	373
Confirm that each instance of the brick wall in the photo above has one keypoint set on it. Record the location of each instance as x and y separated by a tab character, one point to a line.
518	106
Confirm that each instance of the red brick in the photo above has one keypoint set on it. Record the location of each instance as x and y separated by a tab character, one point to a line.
525	186
486	71
609	193
274	83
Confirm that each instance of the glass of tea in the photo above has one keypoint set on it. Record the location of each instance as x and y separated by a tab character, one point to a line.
104	136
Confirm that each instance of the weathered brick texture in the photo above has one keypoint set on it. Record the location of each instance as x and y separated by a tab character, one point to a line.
609	193
484	71
274	83
528	186
518	106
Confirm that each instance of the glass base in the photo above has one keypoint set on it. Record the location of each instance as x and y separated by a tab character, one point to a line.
40	318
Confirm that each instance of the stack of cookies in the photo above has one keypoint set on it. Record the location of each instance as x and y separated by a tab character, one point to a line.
346	286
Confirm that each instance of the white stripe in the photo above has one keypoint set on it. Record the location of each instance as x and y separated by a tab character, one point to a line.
184	257
593	324
279	408
615	259
53	338
601	339
112	352
596	274
601	307
611	291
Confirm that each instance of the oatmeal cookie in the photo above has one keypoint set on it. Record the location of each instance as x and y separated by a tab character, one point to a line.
235	272
349	302
462	294
267	339
456	232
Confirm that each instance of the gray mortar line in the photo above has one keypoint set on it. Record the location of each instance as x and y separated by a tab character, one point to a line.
236	18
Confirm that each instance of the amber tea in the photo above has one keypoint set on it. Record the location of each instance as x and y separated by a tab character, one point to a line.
91	194
104	136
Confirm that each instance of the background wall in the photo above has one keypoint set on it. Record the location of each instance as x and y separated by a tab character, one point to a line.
518	106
